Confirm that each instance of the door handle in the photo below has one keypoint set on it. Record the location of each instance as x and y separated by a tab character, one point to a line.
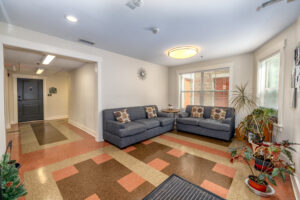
19	98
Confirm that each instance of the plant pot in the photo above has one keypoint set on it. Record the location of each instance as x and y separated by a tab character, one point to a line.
262	165
257	186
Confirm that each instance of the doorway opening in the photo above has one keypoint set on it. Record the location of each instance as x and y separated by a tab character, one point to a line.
44	98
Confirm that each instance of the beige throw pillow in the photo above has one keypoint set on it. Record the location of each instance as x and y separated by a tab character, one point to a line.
122	116
218	113
151	112
197	112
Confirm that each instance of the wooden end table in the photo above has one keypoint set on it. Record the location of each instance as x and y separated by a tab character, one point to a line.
174	111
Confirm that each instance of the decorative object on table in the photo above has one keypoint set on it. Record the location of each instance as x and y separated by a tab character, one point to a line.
270	154
10	182
176	187
142	74
52	90
170	106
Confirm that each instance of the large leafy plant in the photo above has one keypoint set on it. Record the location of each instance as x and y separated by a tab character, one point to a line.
270	153
258	119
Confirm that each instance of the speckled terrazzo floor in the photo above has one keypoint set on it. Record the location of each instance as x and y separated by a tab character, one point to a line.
77	167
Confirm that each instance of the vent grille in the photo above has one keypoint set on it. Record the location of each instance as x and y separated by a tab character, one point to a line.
86	41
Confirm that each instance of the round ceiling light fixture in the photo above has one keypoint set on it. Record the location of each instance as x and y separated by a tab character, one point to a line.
71	18
183	52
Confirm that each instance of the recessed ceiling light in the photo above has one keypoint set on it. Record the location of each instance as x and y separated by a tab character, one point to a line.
183	52
48	59
71	18
40	71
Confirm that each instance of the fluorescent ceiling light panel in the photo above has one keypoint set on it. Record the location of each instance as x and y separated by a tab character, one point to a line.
183	52
48	59
40	71
71	18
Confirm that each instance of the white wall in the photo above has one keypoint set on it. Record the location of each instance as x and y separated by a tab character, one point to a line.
58	104
291	116
122	87
241	72
83	98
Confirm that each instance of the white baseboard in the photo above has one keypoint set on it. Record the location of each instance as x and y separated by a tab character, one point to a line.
57	117
296	186
82	127
8	126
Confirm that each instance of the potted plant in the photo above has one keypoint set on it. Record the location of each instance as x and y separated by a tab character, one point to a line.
271	155
242	101
11	186
258	123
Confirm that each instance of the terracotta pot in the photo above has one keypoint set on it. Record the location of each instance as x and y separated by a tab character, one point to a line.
261	165
260	187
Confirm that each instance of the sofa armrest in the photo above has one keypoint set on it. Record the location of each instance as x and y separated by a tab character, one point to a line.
163	114
114	126
231	122
183	115
227	120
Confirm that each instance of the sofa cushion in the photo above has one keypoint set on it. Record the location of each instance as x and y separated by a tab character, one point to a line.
218	113
151	112
131	128
148	123
188	121
197	111
214	124
164	121
122	116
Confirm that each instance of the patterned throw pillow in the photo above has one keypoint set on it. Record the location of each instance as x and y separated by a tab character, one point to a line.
197	111
122	116
151	112
218	113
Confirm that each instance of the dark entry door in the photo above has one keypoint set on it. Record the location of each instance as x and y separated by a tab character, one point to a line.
30	100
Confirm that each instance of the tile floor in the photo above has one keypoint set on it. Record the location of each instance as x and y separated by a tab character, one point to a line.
70	164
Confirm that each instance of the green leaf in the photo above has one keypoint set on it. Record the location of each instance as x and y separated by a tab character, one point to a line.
233	151
275	172
261	177
282	174
288	154
270	178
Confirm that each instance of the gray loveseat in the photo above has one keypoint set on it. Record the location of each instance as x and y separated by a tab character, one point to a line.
140	128
220	129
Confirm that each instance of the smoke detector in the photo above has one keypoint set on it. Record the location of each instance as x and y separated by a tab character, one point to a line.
155	30
132	4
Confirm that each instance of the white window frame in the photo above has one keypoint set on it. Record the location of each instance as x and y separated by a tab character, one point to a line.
264	54
202	78
259	75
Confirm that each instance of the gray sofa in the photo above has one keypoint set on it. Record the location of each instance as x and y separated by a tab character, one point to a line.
220	129
140	128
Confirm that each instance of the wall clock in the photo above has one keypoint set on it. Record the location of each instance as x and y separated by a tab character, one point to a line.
142	74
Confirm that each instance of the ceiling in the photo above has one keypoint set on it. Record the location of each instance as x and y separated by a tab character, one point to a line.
220	28
25	62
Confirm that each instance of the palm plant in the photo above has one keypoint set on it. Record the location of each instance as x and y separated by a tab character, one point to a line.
241	100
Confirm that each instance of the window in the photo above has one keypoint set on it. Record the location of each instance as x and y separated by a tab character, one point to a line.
208	88
268	82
